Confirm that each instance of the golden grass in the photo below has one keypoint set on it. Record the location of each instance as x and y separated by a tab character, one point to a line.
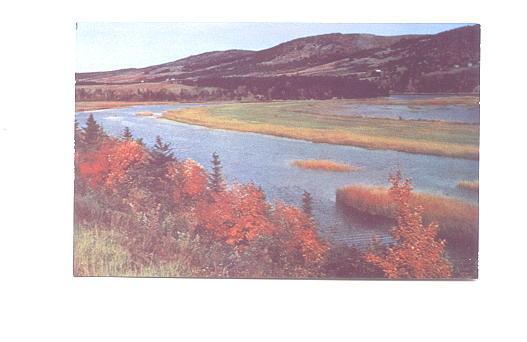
458	220
144	113
84	106
98	253
325	165
468	100
469	185
333	135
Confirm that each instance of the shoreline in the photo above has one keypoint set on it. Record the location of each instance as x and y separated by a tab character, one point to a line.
335	136
373	145
332	134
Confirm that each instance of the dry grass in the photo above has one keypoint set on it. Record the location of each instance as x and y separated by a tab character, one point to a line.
98	253
468	100
458	220
144	113
85	106
435	138
469	185
325	165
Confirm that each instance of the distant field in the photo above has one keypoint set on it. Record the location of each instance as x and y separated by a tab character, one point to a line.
95	105
316	121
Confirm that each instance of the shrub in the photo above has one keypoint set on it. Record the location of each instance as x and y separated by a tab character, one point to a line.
416	253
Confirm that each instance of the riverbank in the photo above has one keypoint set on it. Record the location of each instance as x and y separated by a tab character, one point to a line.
313	121
86	106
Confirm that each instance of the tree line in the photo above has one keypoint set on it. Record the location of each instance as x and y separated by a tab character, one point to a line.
240	88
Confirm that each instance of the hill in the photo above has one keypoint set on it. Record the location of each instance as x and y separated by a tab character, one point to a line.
324	66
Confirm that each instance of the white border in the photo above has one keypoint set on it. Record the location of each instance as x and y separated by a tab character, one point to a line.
41	301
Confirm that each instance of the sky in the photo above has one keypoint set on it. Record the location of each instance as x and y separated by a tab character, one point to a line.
110	46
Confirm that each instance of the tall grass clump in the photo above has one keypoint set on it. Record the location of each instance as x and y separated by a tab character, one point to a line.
469	185
458	220
324	165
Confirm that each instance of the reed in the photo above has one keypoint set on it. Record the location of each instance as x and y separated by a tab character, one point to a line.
458	220
146	113
324	165
469	185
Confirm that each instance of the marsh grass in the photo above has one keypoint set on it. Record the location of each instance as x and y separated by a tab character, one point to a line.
469	185
305	121
458	220
144	113
324	165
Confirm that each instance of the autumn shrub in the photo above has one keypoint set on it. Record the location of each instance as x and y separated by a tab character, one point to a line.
417	253
172	217
343	261
236	215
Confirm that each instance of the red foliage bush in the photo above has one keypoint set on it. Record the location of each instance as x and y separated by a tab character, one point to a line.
298	232
417	253
237	215
108	165
153	207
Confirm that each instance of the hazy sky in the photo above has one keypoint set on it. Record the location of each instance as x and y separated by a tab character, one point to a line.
108	46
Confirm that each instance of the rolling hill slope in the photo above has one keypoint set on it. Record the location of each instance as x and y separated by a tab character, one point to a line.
310	67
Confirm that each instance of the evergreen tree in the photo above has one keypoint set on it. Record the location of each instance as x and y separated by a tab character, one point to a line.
216	182
92	133
78	135
127	134
160	156
307	203
153	177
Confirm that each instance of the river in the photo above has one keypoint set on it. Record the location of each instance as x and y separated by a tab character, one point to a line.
266	161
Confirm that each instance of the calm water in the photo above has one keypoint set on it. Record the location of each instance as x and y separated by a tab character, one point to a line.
454	113
265	160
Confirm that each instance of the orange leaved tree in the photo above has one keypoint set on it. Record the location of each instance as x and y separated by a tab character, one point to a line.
417	252
297	232
236	215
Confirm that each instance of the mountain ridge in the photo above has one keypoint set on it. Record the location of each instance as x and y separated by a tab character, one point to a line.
444	62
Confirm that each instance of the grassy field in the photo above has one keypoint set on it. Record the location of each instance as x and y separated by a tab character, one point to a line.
324	165
98	253
316	121
458	220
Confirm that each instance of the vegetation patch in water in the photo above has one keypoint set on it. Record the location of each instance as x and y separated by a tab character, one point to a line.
324	165
469	185
458	220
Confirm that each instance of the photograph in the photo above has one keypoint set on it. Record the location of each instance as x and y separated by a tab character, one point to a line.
273	150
